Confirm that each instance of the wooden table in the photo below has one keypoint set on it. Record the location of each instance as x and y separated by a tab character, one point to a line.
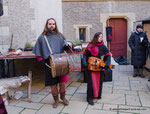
24	55
9	57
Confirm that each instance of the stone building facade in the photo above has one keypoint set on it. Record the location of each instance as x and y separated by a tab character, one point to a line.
25	19
94	14
17	21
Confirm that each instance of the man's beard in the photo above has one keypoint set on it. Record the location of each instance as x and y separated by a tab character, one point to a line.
51	30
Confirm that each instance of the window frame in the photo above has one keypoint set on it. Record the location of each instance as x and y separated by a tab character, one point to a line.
87	28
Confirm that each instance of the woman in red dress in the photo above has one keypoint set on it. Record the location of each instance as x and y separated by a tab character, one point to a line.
96	48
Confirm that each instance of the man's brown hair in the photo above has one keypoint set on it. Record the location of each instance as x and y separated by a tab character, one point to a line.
46	29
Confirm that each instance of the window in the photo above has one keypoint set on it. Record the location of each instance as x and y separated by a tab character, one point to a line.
82	34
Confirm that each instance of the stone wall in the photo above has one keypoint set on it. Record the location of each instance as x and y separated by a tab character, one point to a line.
97	13
89	13
17	21
25	19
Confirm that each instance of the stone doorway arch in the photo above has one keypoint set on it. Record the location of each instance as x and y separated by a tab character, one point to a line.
130	17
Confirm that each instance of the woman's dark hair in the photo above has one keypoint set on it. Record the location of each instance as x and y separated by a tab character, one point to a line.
46	29
95	39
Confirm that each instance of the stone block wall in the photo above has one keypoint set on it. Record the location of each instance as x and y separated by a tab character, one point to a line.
17	21
89	13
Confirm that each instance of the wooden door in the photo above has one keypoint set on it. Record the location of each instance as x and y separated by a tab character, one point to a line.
118	45
146	27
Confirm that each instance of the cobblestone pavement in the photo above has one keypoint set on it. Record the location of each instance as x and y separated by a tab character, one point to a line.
124	95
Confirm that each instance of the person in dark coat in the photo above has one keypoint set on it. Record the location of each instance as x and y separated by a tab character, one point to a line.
57	43
96	48
138	43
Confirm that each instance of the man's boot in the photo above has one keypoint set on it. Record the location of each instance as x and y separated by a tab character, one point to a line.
141	73
63	93
54	91
135	72
56	101
65	101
